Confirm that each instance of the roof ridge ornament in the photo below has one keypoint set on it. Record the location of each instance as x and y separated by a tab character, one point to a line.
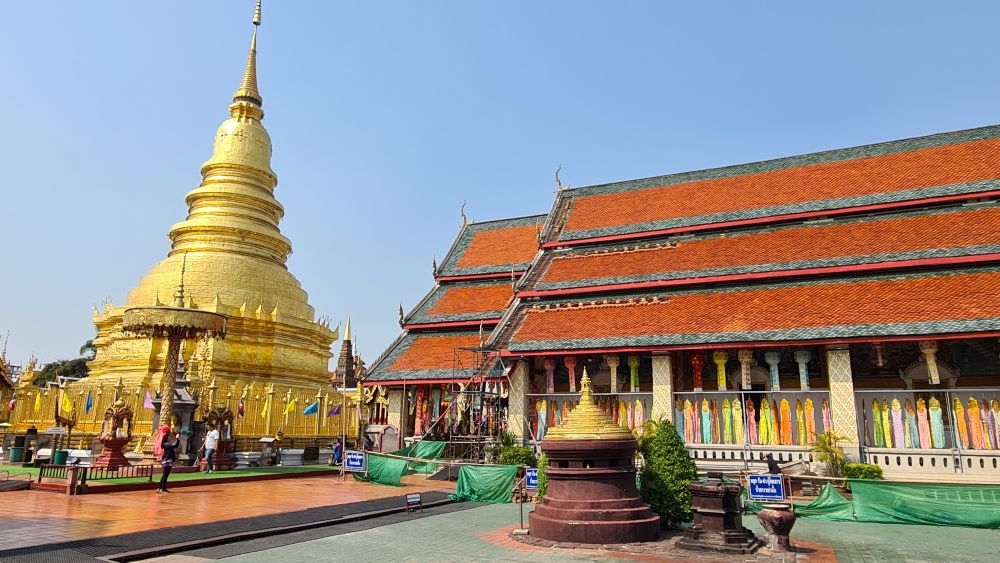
559	186
465	220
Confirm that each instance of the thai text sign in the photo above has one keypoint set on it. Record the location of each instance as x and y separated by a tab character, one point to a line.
531	479
55	430
766	487
354	461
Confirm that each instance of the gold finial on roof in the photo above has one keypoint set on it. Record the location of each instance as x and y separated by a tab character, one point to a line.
347	330
587	421
179	295
247	92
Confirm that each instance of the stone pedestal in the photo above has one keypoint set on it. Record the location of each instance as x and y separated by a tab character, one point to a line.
112	457
592	496
718	523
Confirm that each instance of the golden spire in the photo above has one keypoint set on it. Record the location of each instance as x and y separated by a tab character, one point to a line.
587	421
247	92
347	331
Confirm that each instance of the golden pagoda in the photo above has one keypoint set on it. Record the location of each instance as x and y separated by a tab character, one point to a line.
274	359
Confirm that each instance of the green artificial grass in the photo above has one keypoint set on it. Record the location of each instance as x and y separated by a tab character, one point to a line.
16	470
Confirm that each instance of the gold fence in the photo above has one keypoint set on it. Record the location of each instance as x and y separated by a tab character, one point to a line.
266	409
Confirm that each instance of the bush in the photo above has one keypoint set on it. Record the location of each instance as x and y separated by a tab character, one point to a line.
543	478
863	471
516	455
505	440
828	451
667	472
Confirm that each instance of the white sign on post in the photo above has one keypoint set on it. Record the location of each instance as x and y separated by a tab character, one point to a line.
55	430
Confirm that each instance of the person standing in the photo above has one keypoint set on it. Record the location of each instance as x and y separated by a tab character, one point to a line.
169	448
338	451
210	445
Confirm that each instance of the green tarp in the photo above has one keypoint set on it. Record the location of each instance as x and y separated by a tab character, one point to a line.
383	470
485	483
424	449
973	506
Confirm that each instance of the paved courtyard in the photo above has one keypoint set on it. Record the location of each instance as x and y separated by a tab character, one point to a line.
30	518
477	534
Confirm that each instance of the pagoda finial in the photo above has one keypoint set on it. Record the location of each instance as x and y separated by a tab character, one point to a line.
465	220
347	330
179	295
247	92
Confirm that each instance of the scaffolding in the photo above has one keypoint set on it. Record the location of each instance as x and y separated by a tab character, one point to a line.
474	417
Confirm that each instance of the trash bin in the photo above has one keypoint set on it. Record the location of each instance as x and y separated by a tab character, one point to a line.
16	454
59	457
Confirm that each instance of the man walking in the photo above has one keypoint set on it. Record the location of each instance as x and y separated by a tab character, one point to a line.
210	444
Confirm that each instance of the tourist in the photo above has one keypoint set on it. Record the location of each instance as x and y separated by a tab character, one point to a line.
169	447
210	444
338	451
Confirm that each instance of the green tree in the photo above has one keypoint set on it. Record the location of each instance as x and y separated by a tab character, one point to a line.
62	368
666	473
828	451
543	478
88	350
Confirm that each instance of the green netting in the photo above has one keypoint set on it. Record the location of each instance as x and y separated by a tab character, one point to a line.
427	449
829	505
974	506
383	470
485	483
424	449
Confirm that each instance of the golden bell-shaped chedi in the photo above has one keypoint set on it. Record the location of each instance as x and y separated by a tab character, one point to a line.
591	497
275	350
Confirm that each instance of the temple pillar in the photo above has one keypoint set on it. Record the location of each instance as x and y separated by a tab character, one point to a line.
802	358
613	362
550	375
719	358
745	356
843	412
663	386
773	358
697	362
570	362
395	410
633	370
517	423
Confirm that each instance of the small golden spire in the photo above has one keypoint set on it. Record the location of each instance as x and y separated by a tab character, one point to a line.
587	421
247	92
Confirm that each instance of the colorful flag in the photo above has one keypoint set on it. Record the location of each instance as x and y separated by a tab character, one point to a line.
148	403
66	404
90	402
334	411
38	400
312	409
241	408
290	407
267	408
10	405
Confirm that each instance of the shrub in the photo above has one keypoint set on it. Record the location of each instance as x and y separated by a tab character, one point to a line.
863	471
543	478
516	455
827	450
666	474
504	440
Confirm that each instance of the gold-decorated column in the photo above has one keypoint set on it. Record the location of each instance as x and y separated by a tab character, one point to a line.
842	409
663	386
517	401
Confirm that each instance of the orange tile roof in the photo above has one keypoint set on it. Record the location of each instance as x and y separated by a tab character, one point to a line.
925	304
472	299
433	352
886	173
513	245
897	234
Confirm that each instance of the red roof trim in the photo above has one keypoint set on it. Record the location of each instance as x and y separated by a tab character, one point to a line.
395	382
764	344
771	219
485	322
517	273
924	262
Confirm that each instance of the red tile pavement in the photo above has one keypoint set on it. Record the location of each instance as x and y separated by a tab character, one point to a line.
36	517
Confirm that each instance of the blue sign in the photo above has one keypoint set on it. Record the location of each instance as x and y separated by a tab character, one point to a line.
766	487
531	479
354	461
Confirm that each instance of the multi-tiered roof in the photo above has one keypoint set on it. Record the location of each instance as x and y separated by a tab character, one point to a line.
893	240
474	288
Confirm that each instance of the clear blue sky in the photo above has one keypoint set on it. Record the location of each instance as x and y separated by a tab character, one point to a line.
385	116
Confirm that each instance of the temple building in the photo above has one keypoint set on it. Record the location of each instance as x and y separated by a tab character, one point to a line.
756	306
441	348
229	257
